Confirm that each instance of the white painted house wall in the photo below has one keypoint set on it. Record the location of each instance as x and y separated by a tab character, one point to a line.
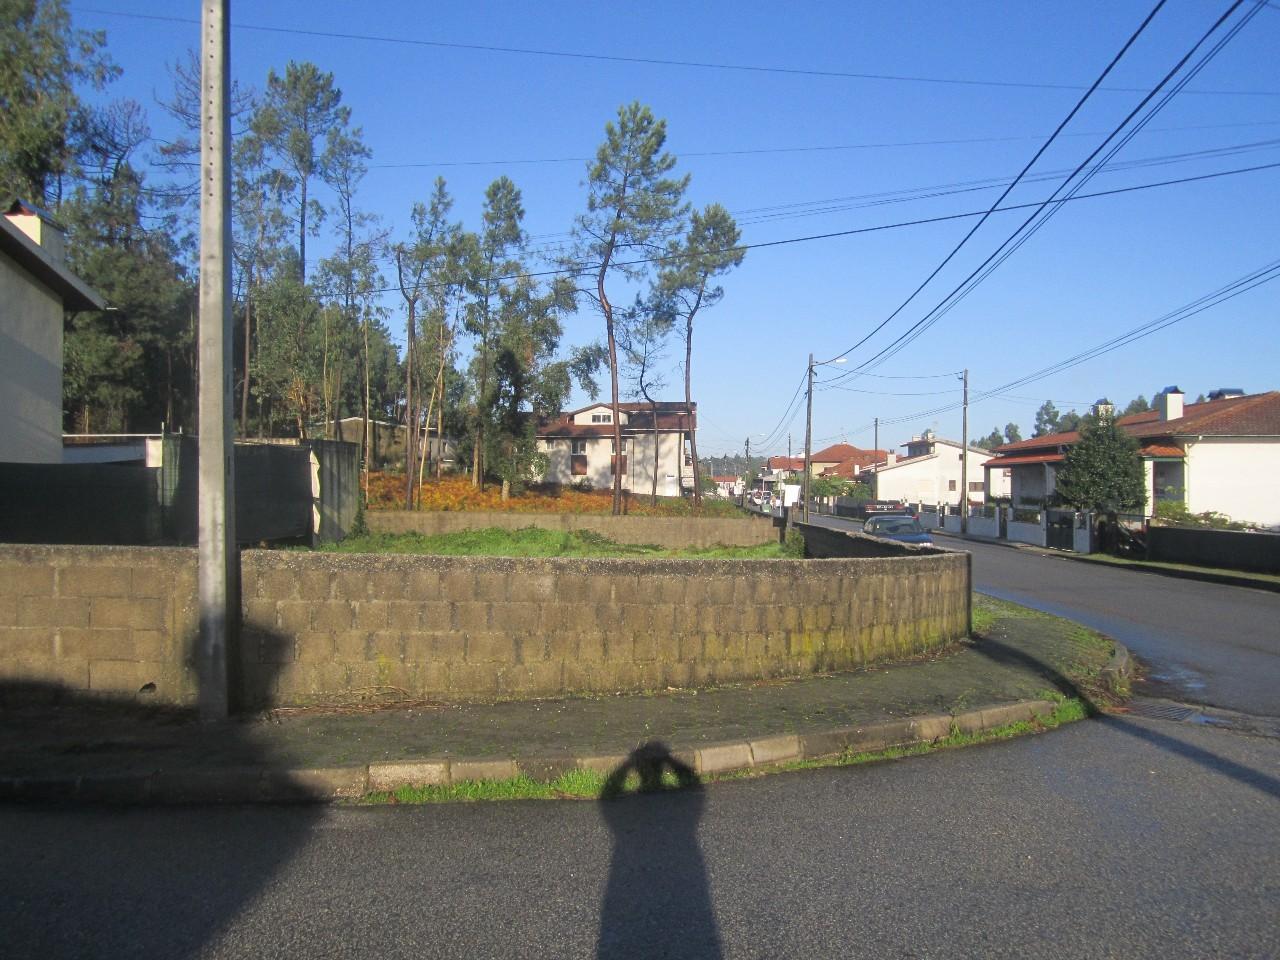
30	368
1235	477
928	479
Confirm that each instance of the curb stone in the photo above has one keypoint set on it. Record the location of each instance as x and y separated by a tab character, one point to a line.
311	785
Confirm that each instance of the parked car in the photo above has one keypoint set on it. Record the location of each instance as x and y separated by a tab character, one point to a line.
903	528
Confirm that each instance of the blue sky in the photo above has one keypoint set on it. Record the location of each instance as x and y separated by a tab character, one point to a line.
822	161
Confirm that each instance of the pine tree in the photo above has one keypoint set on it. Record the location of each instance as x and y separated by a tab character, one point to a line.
633	205
1046	420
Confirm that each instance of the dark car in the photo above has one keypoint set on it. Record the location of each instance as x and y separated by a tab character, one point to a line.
905	529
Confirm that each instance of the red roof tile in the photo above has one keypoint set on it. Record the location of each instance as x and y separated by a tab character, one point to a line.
1161	450
1256	415
1022	461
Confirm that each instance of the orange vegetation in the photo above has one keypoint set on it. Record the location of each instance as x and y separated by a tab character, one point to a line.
386	492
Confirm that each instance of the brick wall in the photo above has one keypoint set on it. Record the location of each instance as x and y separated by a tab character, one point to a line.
107	620
670	532
335	627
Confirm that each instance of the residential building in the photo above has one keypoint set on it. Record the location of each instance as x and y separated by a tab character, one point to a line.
929	472
36	289
843	460
578	446
727	486
1222	455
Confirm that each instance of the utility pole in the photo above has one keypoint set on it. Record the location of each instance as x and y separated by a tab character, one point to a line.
808	441
964	460
218	564
875	444
746	476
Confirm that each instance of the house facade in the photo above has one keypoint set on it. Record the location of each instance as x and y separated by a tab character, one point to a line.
579	449
1222	455
930	472
36	288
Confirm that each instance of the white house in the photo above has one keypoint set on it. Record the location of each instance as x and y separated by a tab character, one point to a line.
579	447
1222	455
929	472
35	289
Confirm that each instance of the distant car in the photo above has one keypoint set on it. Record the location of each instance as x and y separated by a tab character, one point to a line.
904	529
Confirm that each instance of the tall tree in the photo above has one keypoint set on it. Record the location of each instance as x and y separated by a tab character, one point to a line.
707	251
632	205
1138	404
1011	433
43	62
495	273
299	116
415	261
1068	422
290	347
1046	420
991	440
1103	471
126	367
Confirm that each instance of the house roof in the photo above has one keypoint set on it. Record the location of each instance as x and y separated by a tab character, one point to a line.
865	459
784	463
726	479
1255	415
1162	450
75	293
840	452
664	406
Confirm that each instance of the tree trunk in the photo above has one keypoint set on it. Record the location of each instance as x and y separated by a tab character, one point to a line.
440	408
248	342
365	439
607	307
410	420
688	413
653	496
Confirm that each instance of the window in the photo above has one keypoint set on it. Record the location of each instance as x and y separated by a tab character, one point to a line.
613	449
602	418
951	485
975	486
579	447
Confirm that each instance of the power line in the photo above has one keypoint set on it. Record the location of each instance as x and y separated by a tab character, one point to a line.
960	290
579	271
650	61
703	154
1030	163
1229	291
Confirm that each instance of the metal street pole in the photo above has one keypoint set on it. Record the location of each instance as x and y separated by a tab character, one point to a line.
808	440
218	564
964	460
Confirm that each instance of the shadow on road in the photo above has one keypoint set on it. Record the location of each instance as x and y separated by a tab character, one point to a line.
1206	758
1003	653
125	880
657	899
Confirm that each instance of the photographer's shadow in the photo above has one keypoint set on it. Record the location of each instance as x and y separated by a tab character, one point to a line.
657	899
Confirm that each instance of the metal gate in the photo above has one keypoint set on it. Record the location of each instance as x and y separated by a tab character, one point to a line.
1060	529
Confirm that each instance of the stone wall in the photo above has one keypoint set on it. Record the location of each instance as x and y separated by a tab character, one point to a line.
110	620
669	532
341	627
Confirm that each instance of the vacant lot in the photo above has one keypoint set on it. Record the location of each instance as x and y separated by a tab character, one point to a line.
532	542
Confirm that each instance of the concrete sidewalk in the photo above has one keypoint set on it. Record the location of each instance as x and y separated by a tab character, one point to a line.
1015	670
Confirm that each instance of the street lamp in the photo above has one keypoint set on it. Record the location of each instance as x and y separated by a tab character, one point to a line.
808	433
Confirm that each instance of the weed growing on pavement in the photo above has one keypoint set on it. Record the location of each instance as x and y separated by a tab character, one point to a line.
588	785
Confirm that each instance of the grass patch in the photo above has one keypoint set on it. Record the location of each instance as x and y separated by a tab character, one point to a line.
534	542
588	785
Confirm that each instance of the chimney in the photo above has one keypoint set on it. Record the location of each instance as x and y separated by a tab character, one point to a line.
42	229
890	459
1169	404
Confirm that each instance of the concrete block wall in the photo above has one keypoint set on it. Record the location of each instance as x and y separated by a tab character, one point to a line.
669	532
99	620
342	627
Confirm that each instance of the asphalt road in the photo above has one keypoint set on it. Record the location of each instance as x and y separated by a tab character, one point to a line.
1116	838
1198	642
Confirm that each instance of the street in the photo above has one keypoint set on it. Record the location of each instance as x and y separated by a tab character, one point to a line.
1114	837
1199	642
1119	836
